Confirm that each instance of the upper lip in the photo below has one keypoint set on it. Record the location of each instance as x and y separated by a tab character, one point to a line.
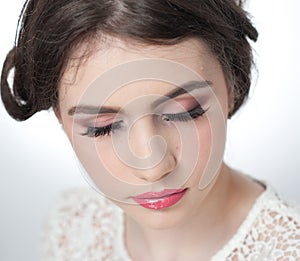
157	195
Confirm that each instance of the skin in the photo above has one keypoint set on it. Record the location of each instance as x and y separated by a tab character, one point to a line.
203	220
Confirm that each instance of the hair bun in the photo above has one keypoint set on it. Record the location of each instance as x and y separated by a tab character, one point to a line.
15	106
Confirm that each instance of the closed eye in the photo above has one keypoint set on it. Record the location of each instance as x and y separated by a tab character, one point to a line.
185	116
196	112
102	131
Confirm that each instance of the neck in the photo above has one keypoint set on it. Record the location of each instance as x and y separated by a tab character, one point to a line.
205	232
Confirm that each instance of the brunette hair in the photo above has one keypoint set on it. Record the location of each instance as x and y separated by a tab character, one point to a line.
49	30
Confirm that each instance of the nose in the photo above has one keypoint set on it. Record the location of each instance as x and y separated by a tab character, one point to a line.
147	144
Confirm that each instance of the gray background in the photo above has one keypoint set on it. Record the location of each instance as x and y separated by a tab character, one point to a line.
263	139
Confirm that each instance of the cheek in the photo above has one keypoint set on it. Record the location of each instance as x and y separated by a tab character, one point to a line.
111	160
204	151
205	142
212	136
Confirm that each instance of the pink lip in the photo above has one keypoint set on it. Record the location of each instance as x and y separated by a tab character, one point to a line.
160	200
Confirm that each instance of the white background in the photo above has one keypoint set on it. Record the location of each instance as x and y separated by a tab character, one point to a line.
36	160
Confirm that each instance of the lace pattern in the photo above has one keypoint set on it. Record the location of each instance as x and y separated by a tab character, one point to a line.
271	232
87	227
82	227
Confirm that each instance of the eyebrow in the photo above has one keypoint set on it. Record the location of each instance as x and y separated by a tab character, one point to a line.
185	88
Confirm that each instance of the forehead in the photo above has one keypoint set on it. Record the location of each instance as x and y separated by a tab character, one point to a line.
106	55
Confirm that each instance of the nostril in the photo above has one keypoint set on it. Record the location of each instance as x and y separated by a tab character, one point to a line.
152	176
160	171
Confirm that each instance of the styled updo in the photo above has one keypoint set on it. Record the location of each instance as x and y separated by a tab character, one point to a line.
49	30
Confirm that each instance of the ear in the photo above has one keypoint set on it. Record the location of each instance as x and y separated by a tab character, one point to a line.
230	103
57	114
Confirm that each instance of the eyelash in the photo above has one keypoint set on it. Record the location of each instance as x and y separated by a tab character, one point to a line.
102	131
192	114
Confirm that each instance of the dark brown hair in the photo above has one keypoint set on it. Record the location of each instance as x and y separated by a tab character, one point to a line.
50	29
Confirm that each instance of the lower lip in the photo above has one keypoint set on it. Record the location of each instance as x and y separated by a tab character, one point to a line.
161	203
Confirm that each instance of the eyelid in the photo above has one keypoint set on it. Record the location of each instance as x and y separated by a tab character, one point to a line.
178	105
103	119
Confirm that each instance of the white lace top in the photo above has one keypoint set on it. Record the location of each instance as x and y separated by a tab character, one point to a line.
85	226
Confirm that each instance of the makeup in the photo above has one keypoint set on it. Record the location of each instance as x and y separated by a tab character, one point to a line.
160	200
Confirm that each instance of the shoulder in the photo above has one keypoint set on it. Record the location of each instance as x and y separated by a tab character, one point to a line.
271	231
277	214
79	202
276	231
81	224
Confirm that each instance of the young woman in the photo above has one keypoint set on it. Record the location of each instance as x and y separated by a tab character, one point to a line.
143	90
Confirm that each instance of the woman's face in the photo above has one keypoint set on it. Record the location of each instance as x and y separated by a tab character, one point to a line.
148	125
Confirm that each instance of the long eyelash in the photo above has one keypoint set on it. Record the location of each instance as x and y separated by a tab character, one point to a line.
185	116
102	131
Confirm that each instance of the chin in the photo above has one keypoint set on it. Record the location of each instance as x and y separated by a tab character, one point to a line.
162	221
